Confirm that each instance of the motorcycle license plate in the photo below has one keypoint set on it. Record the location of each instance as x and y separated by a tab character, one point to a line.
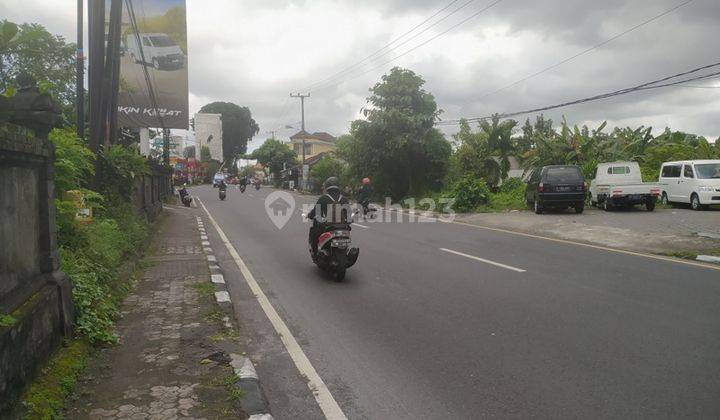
340	243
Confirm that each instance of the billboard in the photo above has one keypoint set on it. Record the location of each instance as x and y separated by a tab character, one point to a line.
153	40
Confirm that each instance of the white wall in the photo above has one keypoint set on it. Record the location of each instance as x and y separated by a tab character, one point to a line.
205	126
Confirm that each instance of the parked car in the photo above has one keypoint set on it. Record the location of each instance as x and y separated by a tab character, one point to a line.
696	182
217	178
619	184
159	50
556	186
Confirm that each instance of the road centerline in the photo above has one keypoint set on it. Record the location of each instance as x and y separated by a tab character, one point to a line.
497	264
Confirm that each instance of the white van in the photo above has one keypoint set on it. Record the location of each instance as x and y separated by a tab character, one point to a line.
159	50
691	181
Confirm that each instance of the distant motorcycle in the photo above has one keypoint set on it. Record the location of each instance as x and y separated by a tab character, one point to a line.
242	188
222	194
367	211
257	186
185	196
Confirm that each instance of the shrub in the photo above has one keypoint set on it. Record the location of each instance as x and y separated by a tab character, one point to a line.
91	295
511	196
469	193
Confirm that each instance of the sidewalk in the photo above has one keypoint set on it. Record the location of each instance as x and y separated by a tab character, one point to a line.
173	356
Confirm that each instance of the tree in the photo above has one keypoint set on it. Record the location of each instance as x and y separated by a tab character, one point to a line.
47	58
274	155
205	154
397	144
238	127
326	167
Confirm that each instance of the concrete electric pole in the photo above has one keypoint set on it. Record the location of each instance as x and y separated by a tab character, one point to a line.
302	115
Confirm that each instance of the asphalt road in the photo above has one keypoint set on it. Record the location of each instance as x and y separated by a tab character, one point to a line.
555	331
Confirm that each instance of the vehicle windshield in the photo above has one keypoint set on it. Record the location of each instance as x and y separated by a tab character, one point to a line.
708	170
563	174
162	41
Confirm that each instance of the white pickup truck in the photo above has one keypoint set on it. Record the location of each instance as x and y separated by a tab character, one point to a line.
619	184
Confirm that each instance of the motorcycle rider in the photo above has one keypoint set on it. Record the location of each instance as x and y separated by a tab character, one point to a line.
363	194
333	204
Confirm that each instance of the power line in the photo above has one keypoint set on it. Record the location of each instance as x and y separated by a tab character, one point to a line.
352	66
594	47
417	46
645	86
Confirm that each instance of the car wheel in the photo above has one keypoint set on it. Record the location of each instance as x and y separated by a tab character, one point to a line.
695	202
664	199
538	206
579	207
650	205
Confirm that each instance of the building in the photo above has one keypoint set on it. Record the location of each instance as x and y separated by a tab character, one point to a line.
315	143
208	132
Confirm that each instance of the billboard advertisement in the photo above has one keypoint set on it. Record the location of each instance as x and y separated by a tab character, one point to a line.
153	46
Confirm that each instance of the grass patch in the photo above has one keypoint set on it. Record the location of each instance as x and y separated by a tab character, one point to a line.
7	320
691	254
204	289
45	398
235	393
215	315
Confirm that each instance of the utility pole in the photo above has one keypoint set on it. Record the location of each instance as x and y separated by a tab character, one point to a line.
302	114
79	75
272	134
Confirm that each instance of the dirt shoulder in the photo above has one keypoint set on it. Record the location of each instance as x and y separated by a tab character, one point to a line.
664	231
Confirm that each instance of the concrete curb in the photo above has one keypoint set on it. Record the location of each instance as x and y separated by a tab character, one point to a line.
253	400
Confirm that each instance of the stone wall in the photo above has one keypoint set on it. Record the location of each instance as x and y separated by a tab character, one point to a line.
32	289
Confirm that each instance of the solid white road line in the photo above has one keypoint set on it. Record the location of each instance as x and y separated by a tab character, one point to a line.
362	226
320	391
509	267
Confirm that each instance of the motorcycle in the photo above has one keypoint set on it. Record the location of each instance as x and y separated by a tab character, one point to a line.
242	188
185	197
222	194
367	211
334	253
257	186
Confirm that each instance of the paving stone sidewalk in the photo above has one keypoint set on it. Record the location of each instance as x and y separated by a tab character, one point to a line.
172	360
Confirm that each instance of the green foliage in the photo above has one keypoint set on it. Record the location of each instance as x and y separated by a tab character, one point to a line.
171	23
238	127
397	145
326	167
45	397
7	320
273	154
510	196
73	160
486	153
48	58
120	166
95	308
205	154
469	193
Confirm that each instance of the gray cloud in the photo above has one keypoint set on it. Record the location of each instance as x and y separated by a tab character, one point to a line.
255	53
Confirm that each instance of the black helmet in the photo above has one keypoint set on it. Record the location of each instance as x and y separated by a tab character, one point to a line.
331	182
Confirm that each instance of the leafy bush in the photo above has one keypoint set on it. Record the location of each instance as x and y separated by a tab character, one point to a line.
511	185
73	161
91	296
120	166
511	196
469	193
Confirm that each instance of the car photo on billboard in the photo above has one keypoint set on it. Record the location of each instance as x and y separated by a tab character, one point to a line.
159	50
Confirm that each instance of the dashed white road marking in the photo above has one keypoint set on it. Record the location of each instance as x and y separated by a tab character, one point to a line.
206	243
222	296
509	267
204	237
217	278
330	408
211	258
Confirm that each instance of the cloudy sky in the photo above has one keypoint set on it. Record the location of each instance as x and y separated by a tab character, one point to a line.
255	52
